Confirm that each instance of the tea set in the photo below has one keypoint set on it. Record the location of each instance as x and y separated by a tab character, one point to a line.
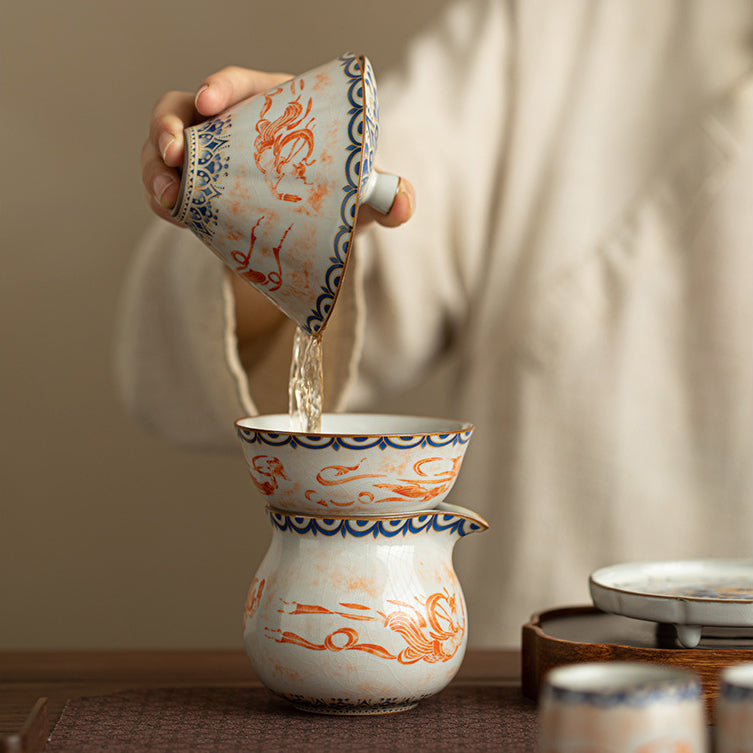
356	608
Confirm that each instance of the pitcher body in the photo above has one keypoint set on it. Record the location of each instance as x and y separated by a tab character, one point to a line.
359	615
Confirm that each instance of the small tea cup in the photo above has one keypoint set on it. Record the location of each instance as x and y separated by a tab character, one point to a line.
734	710
621	707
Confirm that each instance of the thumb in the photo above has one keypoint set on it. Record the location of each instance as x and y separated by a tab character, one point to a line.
401	211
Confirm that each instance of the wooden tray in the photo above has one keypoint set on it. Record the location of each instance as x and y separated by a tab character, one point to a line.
581	634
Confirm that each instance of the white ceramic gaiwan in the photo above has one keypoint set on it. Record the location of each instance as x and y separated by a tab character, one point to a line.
359	615
359	464
272	186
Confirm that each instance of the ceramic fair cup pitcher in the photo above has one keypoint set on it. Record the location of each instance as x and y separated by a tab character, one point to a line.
359	615
272	186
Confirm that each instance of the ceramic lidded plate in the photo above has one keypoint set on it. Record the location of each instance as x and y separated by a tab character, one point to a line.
690	594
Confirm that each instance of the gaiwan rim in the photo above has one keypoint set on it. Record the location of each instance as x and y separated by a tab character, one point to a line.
437	426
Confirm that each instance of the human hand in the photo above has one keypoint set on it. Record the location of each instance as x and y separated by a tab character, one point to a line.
162	152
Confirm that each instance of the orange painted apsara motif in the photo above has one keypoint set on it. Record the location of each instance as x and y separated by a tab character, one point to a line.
285	146
432	479
432	633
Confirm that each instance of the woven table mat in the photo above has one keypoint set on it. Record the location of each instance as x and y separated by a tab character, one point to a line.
467	718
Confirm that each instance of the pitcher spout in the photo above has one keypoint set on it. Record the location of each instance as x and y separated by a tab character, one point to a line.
463	520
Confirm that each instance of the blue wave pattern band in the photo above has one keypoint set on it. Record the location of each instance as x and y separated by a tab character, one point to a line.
323	442
371	120
376	527
362	135
636	697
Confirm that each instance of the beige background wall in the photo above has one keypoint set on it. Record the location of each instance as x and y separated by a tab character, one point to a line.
109	537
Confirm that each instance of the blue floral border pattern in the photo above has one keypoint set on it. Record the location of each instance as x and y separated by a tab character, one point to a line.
204	184
362	135
325	441
439	522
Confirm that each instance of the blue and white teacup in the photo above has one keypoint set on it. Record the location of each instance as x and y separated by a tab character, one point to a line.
622	707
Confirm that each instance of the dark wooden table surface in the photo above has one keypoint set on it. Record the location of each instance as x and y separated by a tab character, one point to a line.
28	677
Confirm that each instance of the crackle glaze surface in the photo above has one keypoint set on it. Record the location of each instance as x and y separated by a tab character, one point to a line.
397	464
272	184
353	616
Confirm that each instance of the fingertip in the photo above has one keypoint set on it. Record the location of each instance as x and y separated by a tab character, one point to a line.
209	100
198	99
169	148
165	190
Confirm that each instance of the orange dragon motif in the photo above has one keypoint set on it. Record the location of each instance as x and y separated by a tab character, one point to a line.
425	487
432	634
265	472
284	146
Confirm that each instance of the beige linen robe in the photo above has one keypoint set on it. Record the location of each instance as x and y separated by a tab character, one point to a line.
580	264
